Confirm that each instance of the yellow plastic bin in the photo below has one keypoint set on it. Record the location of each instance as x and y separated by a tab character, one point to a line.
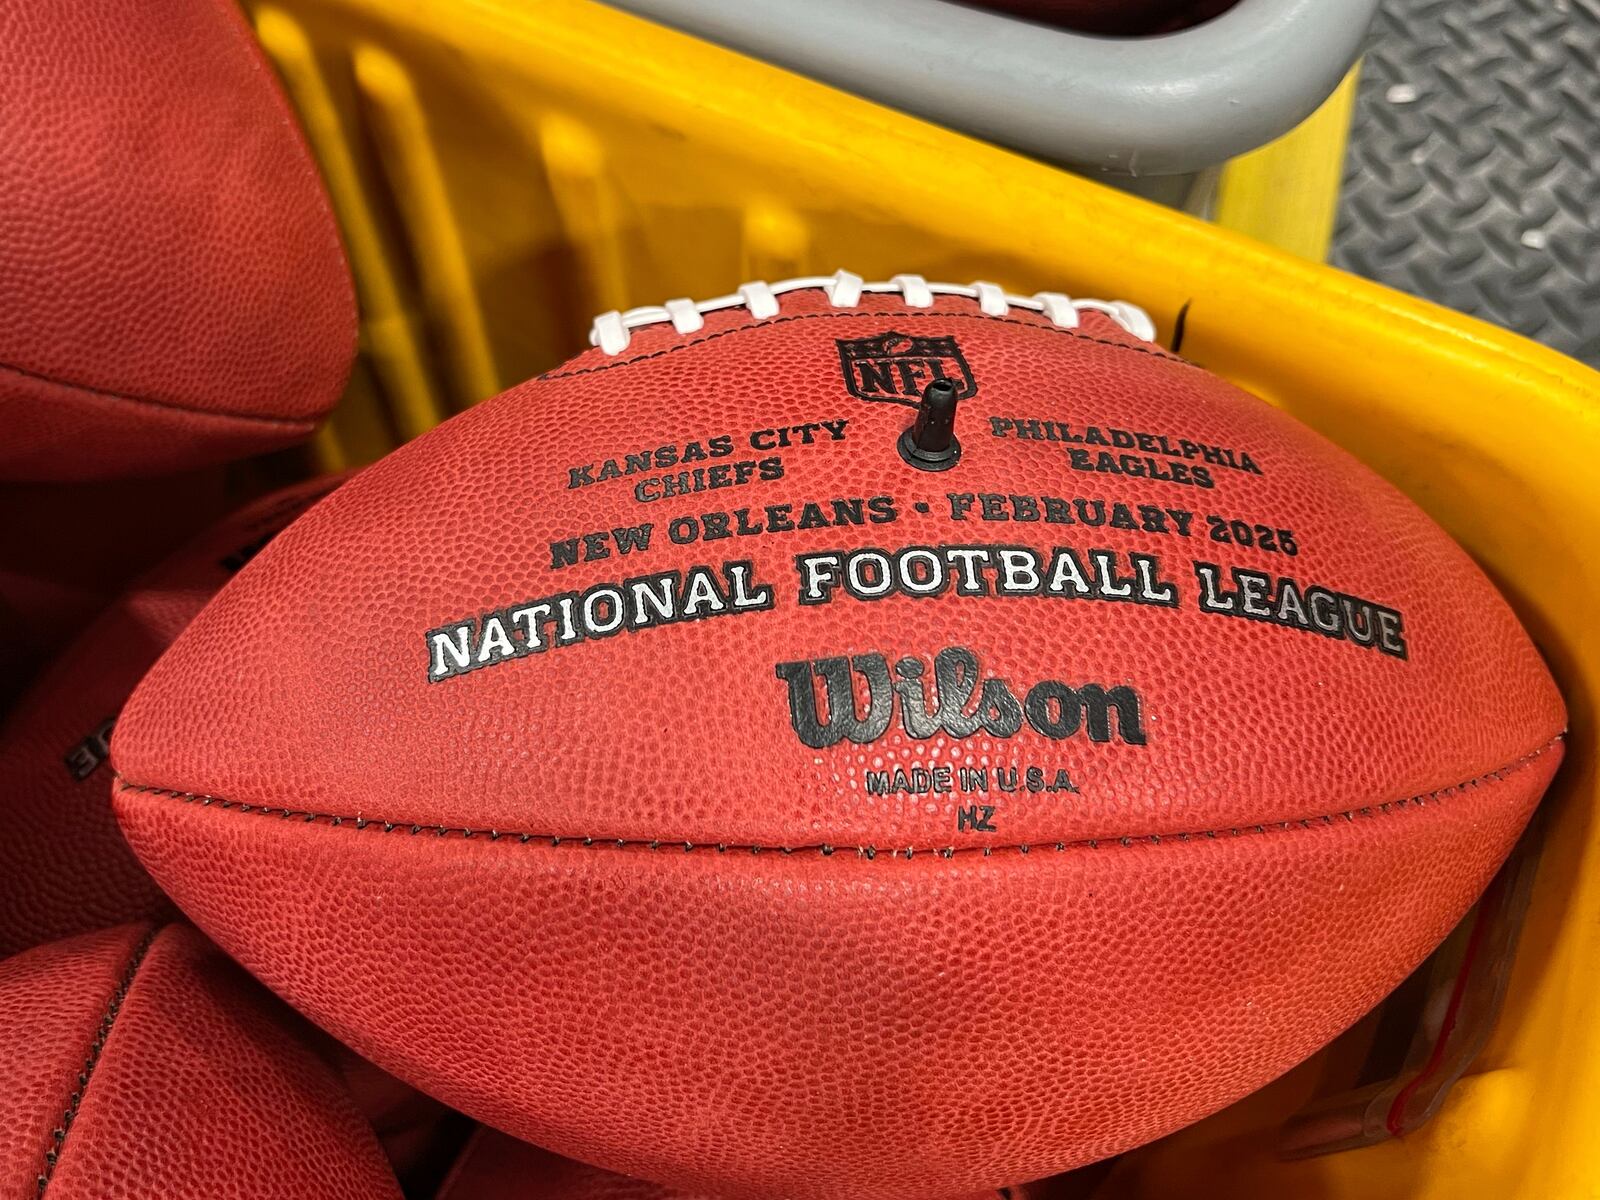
504	172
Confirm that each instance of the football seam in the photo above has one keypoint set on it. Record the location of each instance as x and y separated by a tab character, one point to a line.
294	424
1164	355
361	822
119	993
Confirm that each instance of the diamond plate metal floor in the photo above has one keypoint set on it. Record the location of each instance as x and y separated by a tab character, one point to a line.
1473	170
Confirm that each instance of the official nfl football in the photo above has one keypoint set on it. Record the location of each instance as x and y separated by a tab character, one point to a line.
139	1062
845	740
493	1166
174	288
64	867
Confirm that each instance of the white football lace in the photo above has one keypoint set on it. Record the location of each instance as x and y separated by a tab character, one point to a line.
613	330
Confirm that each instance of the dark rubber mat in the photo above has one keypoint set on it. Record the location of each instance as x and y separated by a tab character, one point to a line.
1473	172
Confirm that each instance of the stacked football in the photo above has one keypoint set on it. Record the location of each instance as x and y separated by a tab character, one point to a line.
174	289
174	296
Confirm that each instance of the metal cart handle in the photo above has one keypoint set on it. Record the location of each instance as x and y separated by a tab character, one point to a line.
1163	105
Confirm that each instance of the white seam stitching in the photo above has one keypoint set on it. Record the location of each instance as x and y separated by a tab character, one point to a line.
612	331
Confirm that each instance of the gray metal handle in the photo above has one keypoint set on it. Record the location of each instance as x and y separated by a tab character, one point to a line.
1161	105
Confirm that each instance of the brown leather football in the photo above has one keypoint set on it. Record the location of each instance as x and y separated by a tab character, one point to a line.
709	762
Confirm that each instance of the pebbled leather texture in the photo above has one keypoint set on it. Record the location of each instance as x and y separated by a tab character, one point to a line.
175	291
606	897
64	867
139	1062
493	1166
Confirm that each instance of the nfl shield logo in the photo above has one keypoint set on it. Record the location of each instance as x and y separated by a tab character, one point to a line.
896	367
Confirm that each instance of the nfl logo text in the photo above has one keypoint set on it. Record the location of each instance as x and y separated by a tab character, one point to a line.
896	367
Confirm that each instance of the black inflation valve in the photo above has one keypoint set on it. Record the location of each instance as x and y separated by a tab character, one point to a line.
931	444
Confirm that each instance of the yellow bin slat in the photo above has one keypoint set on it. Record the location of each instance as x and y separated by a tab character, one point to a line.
503	172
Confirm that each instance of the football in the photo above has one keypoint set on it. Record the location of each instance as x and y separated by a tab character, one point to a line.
175	291
140	1062
64	867
493	1166
845	739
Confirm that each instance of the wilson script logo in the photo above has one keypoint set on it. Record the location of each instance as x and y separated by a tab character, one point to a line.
962	702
